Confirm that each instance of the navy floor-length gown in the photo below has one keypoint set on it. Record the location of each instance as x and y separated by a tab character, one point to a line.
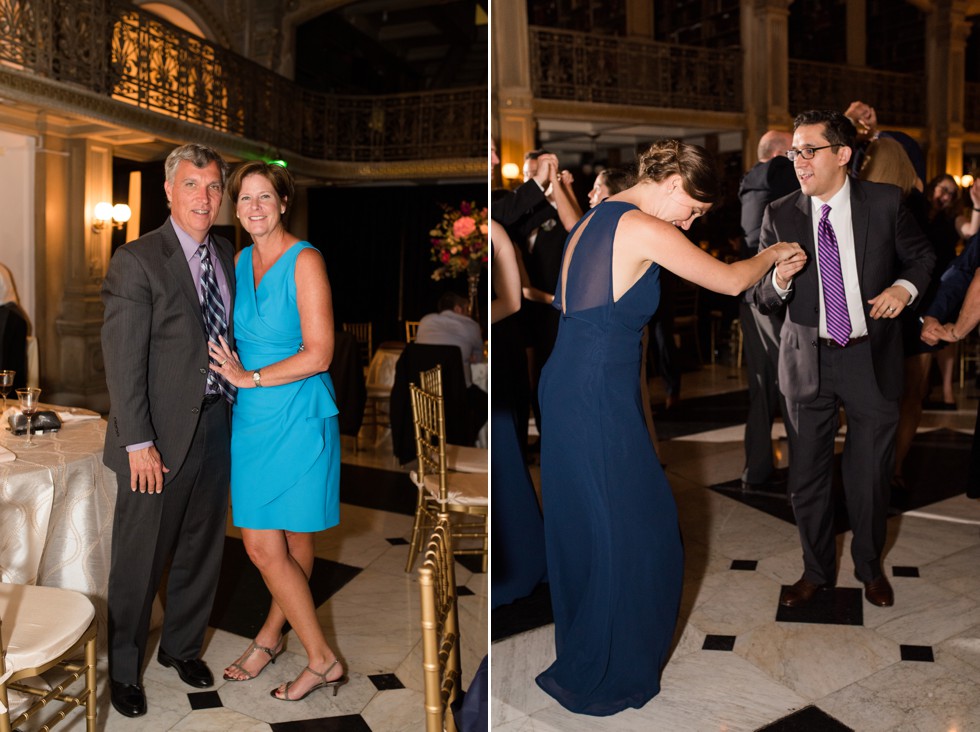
615	562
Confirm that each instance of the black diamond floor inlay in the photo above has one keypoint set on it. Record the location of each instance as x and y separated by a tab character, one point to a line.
462	591
840	606
383	682
398	541
718	642
905	571
746	565
945	447
242	600
917	653
343	723
808	719
205	700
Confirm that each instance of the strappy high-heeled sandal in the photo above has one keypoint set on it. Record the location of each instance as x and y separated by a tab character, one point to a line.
335	684
247	675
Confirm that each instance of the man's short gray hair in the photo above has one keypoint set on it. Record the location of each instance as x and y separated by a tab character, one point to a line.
200	156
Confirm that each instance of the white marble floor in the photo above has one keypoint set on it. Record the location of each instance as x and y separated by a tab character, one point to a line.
854	674
373	622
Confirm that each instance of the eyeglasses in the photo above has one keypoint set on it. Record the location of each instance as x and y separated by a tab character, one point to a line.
806	153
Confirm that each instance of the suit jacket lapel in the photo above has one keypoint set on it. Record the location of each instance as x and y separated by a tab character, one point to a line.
178	269
860	224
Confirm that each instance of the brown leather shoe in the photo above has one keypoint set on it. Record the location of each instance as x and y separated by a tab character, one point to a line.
879	592
800	593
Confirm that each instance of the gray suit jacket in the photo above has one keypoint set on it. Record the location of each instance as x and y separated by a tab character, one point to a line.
888	246
155	347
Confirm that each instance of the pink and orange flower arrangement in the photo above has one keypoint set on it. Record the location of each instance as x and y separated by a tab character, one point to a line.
459	241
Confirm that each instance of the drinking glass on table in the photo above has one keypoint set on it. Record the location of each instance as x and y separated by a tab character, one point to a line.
29	400
6	381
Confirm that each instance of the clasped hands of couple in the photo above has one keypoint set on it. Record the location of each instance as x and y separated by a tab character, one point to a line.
933	331
888	304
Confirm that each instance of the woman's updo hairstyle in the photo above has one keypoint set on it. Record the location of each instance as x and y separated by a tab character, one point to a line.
692	163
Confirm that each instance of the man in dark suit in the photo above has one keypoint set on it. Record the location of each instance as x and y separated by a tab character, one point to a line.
168	437
841	343
771	178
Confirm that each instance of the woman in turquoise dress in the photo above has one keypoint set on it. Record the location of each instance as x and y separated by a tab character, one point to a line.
615	562
285	445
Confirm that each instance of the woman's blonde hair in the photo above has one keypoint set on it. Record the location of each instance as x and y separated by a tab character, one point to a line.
886	161
692	163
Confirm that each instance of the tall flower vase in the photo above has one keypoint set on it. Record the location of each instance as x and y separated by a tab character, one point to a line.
473	282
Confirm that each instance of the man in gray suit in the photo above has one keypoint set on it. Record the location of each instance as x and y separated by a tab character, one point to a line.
841	344
168	437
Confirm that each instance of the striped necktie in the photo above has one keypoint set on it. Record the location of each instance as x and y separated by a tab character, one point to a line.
215	322
832	281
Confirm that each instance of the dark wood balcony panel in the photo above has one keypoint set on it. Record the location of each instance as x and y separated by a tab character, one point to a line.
971	107
120	53
584	67
898	99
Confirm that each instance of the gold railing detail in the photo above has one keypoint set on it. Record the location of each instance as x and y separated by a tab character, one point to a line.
121	53
898	98
584	67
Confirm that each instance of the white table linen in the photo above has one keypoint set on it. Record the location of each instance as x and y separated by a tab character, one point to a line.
56	506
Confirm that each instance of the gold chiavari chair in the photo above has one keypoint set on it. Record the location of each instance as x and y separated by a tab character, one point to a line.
362	334
411	330
460	458
44	627
441	490
440	628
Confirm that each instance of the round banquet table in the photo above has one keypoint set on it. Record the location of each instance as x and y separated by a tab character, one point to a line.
56	507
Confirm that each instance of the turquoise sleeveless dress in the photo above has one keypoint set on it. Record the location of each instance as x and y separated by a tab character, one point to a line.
285	440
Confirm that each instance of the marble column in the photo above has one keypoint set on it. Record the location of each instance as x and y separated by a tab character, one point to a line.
511	88
765	44
75	260
947	30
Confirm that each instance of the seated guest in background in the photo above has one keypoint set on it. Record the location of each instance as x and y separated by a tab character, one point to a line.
169	427
13	331
285	449
451	325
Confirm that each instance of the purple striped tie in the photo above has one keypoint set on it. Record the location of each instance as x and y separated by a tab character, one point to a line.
835	301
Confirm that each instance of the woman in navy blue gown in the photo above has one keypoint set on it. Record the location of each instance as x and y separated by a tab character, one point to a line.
614	555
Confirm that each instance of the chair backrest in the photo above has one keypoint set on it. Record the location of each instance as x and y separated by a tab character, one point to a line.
684	302
411	330
362	333
440	629
429	417
431	380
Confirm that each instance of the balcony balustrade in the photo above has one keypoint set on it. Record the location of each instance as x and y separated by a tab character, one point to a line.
115	50
583	67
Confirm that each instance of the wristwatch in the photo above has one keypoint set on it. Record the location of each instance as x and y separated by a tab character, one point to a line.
257	378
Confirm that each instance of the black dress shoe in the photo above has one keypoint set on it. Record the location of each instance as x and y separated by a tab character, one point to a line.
800	593
128	699
192	671
879	592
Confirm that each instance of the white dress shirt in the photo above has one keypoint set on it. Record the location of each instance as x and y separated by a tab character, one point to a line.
840	218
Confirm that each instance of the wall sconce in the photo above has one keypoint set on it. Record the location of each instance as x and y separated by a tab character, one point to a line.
510	171
966	181
106	214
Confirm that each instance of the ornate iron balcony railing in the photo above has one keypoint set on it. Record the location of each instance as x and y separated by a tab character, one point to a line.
114	49
898	98
583	67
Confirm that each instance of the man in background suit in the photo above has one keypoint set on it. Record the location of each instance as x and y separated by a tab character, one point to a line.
771	178
841	343
168	437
